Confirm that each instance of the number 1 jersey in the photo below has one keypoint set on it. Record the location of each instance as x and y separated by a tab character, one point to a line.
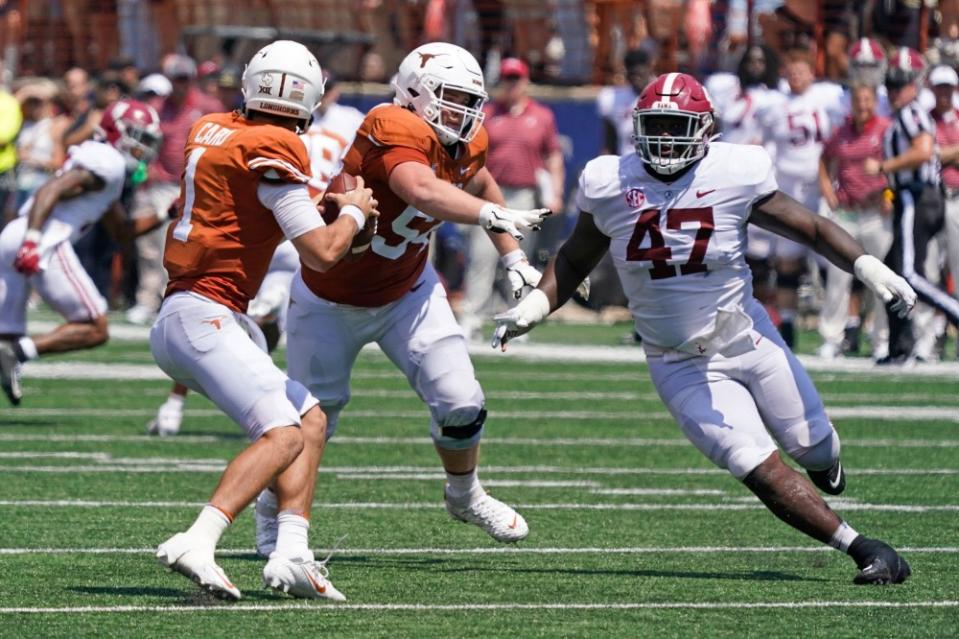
679	247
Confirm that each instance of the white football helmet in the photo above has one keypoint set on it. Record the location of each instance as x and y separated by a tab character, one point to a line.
443	84
283	78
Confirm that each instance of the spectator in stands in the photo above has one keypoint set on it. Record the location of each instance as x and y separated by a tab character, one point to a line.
184	106
526	160
126	70
856	203
154	90
10	120
209	75
615	103
228	89
944	81
36	148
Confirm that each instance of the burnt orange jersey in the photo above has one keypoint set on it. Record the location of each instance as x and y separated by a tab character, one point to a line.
221	244
389	136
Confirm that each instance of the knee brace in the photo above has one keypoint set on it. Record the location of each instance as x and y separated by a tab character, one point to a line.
819	456
460	429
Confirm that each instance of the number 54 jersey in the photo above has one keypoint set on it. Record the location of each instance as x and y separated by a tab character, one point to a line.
389	136
679	247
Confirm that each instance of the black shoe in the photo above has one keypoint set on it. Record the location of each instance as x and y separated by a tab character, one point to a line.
892	360
10	372
850	341
788	333
878	563
831	481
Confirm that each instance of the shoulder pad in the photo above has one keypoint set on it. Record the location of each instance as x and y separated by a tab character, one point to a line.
391	125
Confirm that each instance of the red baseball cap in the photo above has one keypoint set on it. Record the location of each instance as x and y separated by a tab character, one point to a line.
513	68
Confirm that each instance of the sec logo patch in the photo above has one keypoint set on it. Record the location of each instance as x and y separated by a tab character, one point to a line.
635	198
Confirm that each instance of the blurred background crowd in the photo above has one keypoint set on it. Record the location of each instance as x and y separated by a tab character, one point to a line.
563	76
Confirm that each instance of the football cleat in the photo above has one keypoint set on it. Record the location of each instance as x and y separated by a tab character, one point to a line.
267	528
879	564
10	373
168	420
304	579
500	521
180	554
831	481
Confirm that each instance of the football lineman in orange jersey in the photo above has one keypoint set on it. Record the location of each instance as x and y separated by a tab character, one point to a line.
423	157
244	190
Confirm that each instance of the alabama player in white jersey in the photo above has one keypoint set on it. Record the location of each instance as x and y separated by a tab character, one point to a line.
740	97
795	127
329	136
673	215
36	249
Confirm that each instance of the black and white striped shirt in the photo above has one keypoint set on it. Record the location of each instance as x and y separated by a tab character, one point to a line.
907	123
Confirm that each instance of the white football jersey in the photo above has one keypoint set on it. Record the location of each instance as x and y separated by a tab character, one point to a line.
738	117
327	140
616	105
679	247
72	217
795	128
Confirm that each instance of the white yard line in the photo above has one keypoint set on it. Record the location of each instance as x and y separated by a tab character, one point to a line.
530	352
881	413
631	442
131	464
492	550
315	608
424	505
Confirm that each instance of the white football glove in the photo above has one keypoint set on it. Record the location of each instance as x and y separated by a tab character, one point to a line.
520	319
520	273
891	289
500	219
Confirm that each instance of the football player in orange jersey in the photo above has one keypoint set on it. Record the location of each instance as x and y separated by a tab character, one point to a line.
423	156
244	190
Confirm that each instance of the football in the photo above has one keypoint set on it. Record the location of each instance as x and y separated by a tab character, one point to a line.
344	183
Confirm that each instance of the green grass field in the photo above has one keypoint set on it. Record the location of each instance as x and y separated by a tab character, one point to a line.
633	532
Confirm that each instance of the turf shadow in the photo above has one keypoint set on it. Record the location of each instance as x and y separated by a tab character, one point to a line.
188	597
457	566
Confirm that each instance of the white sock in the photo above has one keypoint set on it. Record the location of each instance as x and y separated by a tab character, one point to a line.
461	486
293	537
175	401
843	537
28	347
209	526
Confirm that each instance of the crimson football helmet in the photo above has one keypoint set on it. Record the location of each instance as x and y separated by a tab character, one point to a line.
905	66
133	128
673	122
867	62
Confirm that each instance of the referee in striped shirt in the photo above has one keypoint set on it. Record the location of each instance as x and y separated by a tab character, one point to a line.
911	165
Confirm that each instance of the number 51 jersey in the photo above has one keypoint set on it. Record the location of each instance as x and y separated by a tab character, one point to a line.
679	247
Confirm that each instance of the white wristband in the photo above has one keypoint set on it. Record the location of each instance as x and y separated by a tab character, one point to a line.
513	258
354	212
535	307
33	235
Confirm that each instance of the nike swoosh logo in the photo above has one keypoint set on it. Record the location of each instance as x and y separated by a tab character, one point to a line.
835	484
320	589
704	193
513	525
417	286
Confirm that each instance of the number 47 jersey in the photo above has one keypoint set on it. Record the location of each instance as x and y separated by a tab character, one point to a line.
679	247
